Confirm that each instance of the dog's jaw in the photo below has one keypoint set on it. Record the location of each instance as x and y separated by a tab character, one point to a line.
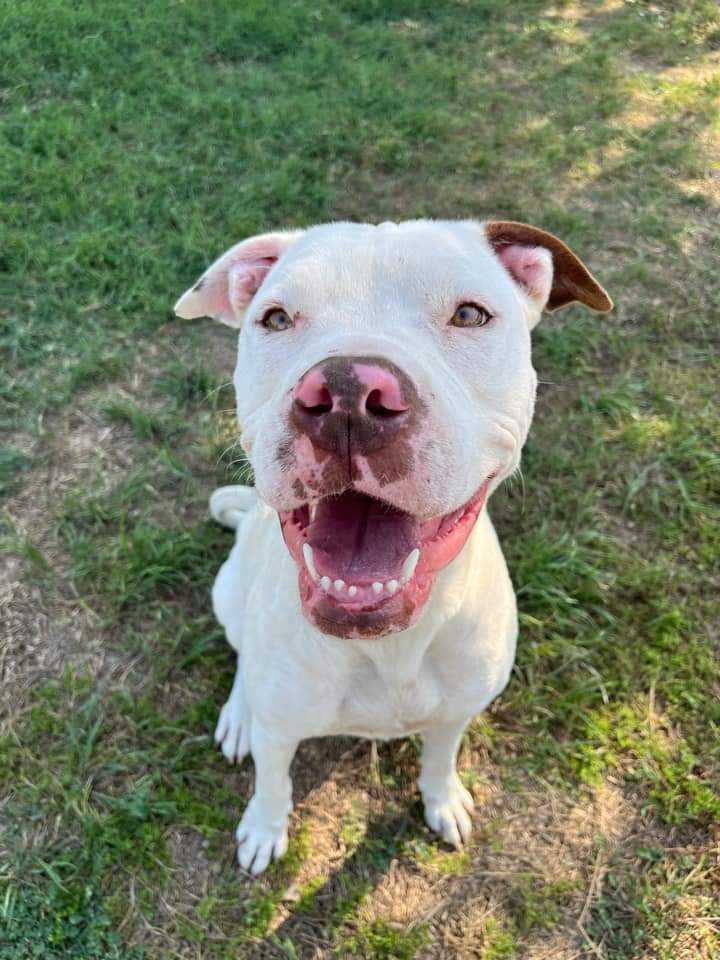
367	620
360	604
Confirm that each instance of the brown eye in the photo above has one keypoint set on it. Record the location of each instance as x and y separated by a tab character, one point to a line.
276	320
470	315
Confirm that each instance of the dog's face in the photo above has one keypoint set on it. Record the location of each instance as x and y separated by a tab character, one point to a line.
385	388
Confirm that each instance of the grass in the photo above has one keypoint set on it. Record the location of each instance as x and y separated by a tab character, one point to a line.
12	464
135	144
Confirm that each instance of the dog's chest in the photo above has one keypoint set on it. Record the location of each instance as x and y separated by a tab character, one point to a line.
389	697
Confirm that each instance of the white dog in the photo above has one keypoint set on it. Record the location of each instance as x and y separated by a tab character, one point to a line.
384	390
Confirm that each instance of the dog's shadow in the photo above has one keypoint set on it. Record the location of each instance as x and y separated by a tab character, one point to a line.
314	925
314	922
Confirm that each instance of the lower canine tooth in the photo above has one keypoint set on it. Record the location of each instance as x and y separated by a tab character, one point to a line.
339	584
325	583
309	561
410	563
392	586
377	587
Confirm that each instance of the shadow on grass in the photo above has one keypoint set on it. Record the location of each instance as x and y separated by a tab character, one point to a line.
326	915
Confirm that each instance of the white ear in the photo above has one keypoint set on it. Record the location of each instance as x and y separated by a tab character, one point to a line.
227	287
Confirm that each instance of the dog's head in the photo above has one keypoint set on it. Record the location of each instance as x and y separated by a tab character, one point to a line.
384	389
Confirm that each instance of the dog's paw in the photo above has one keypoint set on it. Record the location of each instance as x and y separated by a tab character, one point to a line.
449	813
232	733
259	843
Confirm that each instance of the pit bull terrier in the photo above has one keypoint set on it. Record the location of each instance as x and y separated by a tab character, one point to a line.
384	391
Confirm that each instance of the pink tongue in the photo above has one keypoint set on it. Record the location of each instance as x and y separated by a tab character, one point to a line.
359	540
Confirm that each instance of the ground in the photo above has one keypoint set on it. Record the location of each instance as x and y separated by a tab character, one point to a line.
136	143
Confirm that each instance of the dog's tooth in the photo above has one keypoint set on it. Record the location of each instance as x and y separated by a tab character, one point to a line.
392	586
377	587
339	585
313	509
352	591
410	563
325	583
310	562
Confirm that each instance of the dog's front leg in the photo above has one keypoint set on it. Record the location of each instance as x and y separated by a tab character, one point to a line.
262	833
448	804
232	732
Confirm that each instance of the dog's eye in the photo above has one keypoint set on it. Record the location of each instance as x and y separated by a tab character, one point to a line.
470	315
276	320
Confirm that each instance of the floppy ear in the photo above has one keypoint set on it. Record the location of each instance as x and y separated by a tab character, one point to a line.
227	287
548	271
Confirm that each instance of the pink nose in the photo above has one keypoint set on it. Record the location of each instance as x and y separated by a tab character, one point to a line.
354	404
361	388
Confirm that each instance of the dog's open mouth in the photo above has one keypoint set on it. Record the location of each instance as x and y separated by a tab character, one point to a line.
366	568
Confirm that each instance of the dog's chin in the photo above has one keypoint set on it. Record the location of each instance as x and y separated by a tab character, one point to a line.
366	568
347	620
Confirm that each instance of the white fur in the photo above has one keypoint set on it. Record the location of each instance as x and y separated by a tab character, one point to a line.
389	291
292	682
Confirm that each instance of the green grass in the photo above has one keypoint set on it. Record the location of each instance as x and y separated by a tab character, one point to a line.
500	944
13	463
379	940
642	908
135	144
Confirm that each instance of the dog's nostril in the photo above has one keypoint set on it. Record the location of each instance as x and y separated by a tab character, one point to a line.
322	403
375	406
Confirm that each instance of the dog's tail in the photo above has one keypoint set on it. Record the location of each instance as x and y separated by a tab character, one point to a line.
228	505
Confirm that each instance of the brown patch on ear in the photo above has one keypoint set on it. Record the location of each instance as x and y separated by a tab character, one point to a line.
572	281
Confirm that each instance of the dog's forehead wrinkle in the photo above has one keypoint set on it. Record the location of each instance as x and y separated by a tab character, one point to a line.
359	274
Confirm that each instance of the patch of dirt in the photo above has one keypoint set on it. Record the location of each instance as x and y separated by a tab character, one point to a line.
193	870
44	625
40	638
